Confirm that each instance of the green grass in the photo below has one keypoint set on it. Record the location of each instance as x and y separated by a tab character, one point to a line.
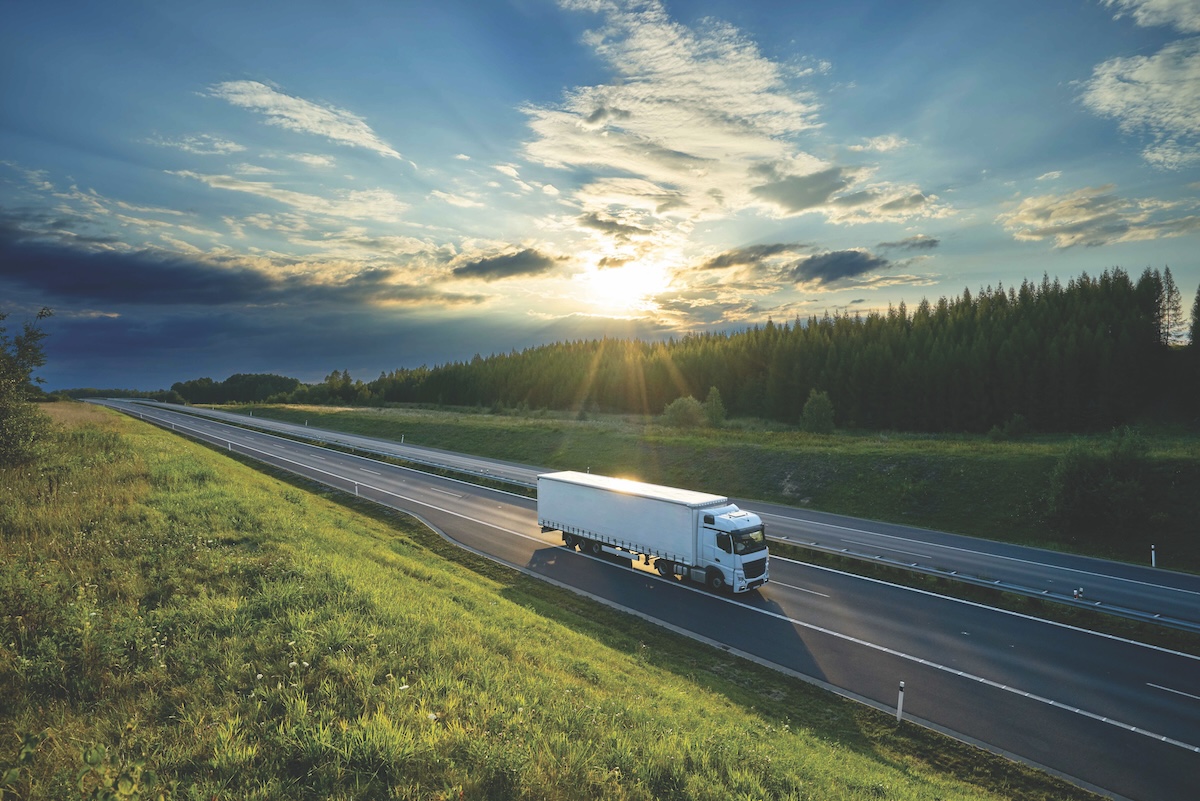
959	483
173	621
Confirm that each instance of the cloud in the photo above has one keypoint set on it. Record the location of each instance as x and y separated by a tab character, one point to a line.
1183	14
1156	95
1096	216
697	124
608	225
456	200
296	114
1053	175
366	204
749	256
798	193
200	144
143	278
880	144
836	266
313	159
918	242
493	268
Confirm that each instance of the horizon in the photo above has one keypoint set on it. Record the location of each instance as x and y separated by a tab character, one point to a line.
292	190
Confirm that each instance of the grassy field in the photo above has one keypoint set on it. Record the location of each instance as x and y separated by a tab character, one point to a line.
964	484
175	623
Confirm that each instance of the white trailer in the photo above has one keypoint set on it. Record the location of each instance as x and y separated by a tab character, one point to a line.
680	532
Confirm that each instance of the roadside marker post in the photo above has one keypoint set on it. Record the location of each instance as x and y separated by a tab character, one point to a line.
1153	557
900	704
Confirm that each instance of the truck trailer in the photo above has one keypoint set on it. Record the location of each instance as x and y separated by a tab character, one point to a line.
692	535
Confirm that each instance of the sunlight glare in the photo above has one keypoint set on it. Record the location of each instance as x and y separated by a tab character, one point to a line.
628	289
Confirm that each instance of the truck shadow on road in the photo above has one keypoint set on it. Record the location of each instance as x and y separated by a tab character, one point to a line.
749	623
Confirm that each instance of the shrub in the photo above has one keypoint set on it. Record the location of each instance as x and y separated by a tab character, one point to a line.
817	417
685	412
1100	493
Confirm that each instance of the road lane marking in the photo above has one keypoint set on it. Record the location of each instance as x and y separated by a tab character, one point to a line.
885	548
1177	692
978	553
372	472
993	609
801	589
446	492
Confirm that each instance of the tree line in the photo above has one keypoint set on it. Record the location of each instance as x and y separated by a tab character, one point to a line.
1094	353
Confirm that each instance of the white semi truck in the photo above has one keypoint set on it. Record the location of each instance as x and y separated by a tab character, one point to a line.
680	532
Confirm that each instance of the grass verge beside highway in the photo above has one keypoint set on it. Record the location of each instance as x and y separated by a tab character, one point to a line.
172	620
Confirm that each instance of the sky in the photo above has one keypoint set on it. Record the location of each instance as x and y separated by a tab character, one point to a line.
300	187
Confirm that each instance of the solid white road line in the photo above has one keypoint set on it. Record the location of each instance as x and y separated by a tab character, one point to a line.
1177	692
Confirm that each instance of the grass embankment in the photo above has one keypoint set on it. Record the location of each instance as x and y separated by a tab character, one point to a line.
166	610
959	483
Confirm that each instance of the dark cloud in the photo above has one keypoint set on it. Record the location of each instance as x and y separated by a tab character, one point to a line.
493	268
797	193
920	242
749	255
602	114
61	274
837	265
143	277
610	226
907	203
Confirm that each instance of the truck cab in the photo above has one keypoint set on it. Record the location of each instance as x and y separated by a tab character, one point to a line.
733	547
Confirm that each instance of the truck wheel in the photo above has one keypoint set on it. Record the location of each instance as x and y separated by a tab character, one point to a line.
665	568
595	548
570	541
716	582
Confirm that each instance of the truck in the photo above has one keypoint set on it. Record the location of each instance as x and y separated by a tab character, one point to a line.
679	532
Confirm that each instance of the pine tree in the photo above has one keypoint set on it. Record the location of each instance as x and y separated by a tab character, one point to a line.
1194	332
1172	309
714	408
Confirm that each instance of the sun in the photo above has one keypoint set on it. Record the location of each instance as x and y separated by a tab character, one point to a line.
626	290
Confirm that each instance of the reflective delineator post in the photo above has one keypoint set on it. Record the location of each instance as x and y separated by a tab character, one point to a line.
1153	558
900	704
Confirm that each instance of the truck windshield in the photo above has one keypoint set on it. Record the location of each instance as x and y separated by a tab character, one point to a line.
749	541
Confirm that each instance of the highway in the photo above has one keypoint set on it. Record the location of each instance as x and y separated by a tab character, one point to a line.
1111	714
1134	591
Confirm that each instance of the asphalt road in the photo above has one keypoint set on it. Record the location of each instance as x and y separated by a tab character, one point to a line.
1112	714
1135	591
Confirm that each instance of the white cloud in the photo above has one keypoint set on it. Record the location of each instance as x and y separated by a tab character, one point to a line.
1183	14
313	159
462	157
1157	95
455	200
369	204
881	144
1053	175
1096	216
200	145
697	124
296	114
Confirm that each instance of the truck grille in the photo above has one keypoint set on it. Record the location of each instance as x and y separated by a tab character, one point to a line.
755	569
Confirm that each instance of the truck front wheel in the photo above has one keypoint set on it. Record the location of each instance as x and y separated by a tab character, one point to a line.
665	568
716	582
